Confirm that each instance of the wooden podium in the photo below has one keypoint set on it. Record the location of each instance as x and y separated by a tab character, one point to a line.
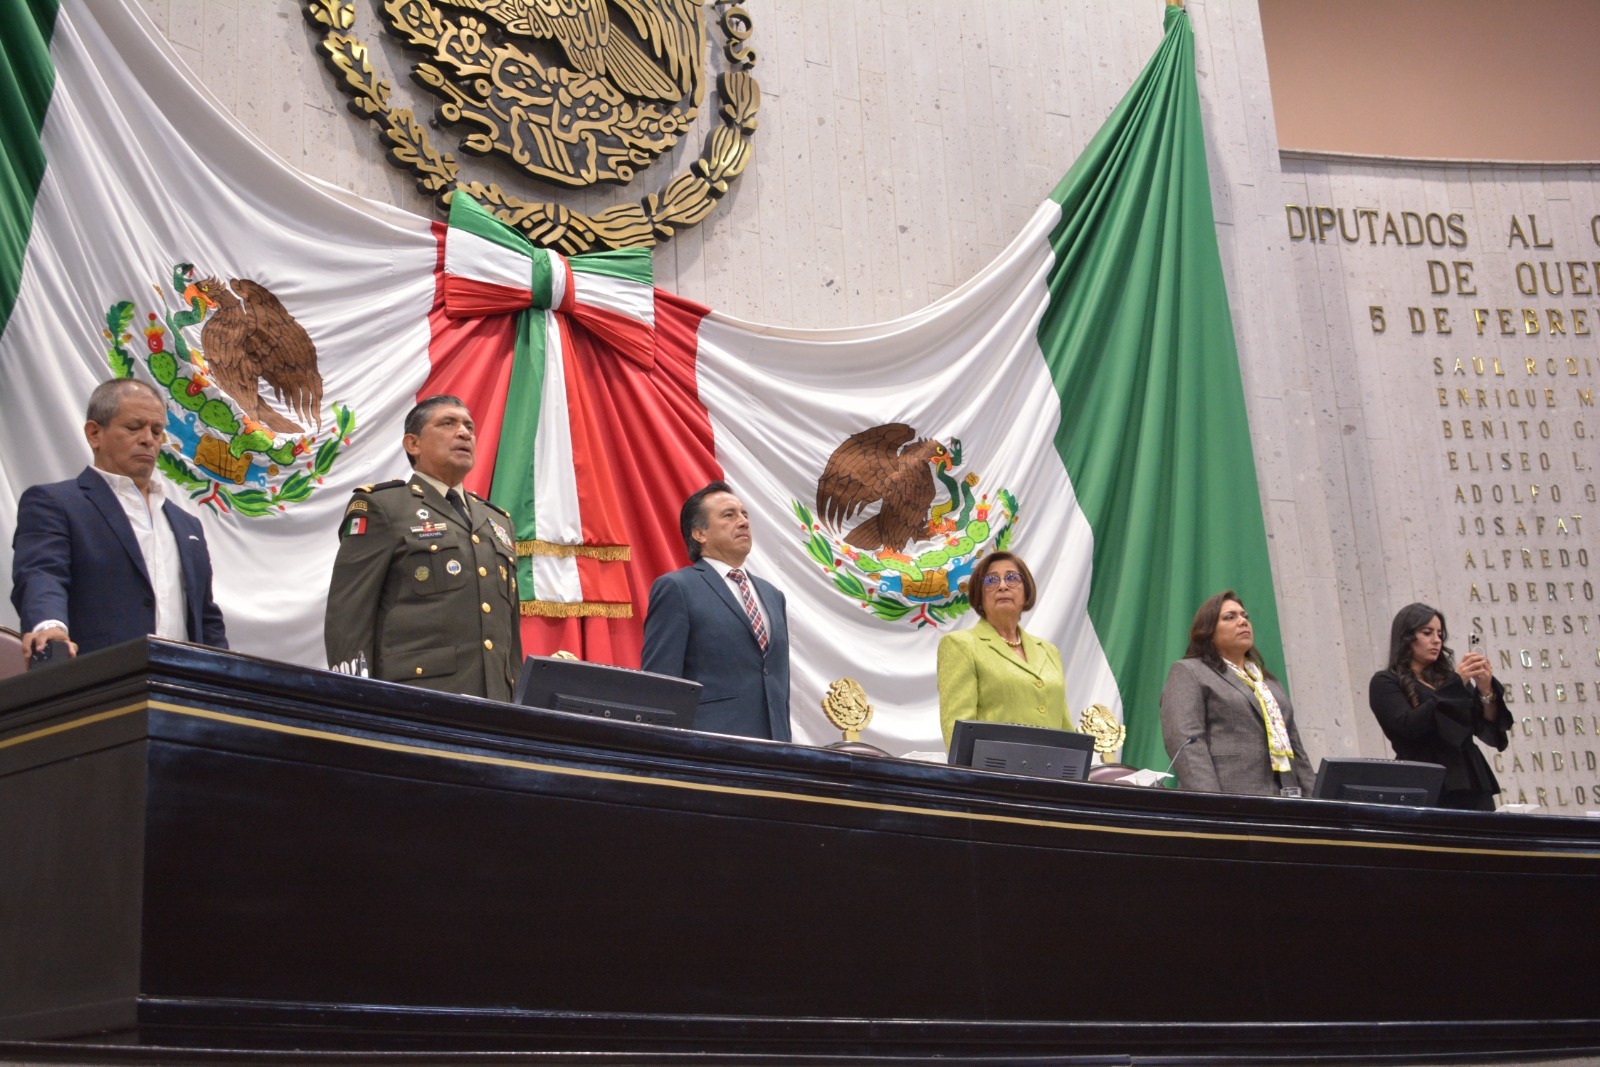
200	849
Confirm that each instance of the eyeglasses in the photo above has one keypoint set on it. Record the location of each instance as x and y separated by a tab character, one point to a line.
992	580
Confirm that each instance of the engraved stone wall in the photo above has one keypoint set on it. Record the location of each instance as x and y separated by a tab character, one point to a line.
1453	320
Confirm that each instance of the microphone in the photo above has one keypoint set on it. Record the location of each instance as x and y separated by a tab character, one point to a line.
1192	739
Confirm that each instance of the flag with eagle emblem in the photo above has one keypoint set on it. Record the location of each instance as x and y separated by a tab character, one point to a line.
1078	402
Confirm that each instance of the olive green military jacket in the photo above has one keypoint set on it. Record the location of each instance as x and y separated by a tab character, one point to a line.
416	596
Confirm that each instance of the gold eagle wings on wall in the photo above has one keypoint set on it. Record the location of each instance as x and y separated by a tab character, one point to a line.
627	83
674	30
578	93
889	466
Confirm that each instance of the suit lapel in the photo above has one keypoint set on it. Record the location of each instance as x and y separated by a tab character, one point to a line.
777	624
996	644
1249	695
438	507
1238	683
110	508
1036	656
719	586
188	559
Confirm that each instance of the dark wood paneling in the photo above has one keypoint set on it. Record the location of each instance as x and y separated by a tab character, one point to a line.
281	857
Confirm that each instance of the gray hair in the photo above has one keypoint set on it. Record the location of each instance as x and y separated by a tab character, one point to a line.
106	400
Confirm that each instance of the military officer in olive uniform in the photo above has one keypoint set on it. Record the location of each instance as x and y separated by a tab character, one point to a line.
424	588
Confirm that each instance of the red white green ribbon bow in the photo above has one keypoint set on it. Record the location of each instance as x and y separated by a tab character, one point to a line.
571	543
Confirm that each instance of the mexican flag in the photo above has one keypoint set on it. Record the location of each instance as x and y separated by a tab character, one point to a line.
144	231
1077	402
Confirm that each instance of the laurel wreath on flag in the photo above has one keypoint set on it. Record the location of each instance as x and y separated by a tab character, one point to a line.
923	590
252	503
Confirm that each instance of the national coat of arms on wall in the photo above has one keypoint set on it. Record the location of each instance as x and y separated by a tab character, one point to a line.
573	93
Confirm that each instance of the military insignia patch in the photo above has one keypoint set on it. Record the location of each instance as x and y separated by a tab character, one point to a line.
422	574
356	505
229	448
505	538
357	525
454	567
908	558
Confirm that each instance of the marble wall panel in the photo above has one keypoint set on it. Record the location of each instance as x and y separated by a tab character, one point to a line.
1409	454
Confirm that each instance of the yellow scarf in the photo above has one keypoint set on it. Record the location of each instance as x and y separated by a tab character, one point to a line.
1278	747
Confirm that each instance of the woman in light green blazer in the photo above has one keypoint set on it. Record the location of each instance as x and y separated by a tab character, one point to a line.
996	671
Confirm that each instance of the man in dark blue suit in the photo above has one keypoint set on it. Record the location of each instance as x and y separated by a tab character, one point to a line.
716	624
105	558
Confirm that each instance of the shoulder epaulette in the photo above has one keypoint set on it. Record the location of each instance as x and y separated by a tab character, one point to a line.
378	486
491	505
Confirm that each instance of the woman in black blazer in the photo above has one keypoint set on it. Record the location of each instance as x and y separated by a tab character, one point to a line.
1431	707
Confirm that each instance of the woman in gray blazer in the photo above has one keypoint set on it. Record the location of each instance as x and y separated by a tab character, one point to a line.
1226	721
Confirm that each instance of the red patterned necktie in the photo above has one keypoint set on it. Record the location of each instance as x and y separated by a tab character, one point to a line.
748	599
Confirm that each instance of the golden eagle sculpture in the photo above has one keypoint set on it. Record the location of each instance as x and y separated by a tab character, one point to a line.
674	30
889	466
251	338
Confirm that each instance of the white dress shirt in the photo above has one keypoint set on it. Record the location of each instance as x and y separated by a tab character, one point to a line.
159	545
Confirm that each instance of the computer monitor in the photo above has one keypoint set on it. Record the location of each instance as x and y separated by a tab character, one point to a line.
1013	749
1379	781
607	692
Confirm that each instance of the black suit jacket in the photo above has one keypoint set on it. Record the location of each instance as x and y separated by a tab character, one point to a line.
695	628
1441	729
76	559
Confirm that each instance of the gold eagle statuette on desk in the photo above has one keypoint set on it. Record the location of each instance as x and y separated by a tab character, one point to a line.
1108	733
847	708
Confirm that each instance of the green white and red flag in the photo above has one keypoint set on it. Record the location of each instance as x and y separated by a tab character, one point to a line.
1079	399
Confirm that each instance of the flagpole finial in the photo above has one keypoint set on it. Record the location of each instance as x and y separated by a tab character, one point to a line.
1174	3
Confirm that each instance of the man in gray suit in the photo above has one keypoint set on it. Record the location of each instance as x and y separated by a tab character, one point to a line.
716	624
